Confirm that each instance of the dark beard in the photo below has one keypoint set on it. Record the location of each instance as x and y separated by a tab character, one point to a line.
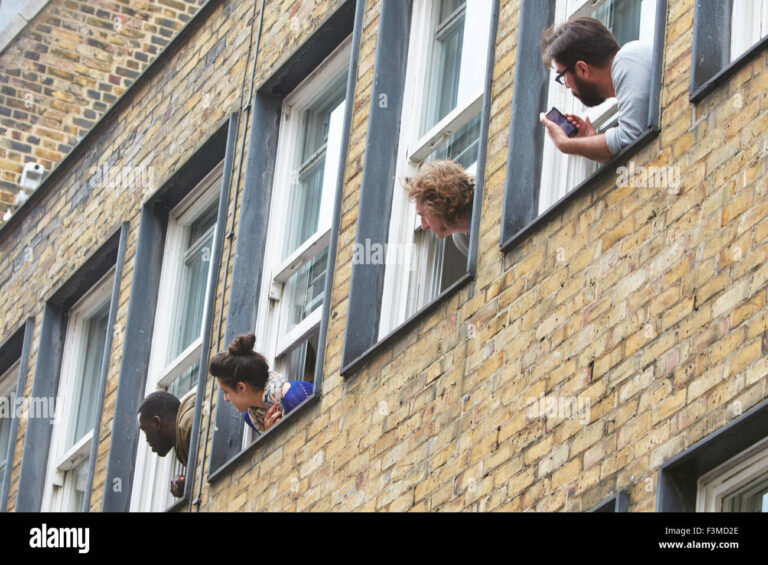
587	93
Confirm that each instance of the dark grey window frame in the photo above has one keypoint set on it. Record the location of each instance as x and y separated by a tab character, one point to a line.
524	157
140	320
15	348
619	502
677	483
34	461
250	242
361	342
710	60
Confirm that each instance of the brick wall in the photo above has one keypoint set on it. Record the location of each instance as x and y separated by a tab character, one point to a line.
66	68
647	304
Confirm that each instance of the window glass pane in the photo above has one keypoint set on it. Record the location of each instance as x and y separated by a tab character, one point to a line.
462	146
446	66
305	206
299	363
194	278
458	55
202	225
622	17
306	289
752	497
185	382
96	336
310	179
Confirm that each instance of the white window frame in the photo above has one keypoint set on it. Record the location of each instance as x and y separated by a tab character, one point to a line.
8	381
740	470
151	490
749	24
273	339
410	282
562	173
59	490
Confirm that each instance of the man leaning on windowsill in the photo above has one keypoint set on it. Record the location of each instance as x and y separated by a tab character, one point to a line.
443	192
588	61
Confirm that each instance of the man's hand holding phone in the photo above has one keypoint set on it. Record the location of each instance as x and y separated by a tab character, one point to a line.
572	135
584	127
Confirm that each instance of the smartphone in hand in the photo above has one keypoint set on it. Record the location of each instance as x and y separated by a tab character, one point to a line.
554	115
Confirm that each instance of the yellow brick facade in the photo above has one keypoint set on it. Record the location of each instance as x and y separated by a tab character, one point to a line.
66	68
649	305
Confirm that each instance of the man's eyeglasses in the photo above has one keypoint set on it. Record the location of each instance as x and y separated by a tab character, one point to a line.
560	77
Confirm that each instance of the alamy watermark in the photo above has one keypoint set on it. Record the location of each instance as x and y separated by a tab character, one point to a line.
22	407
662	178
375	253
121	177
558	408
52	537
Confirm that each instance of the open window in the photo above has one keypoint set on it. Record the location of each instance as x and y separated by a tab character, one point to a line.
64	408
727	471
737	485
443	101
288	220
178	330
431	101
628	20
301	212
540	179
727	34
77	401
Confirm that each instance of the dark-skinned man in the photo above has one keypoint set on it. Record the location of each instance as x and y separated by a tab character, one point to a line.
167	424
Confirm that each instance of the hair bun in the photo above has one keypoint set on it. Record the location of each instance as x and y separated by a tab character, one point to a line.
242	344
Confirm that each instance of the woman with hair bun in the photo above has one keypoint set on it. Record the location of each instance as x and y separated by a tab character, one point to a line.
261	395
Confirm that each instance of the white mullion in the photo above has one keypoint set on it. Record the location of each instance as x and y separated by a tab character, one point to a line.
332	161
474	50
